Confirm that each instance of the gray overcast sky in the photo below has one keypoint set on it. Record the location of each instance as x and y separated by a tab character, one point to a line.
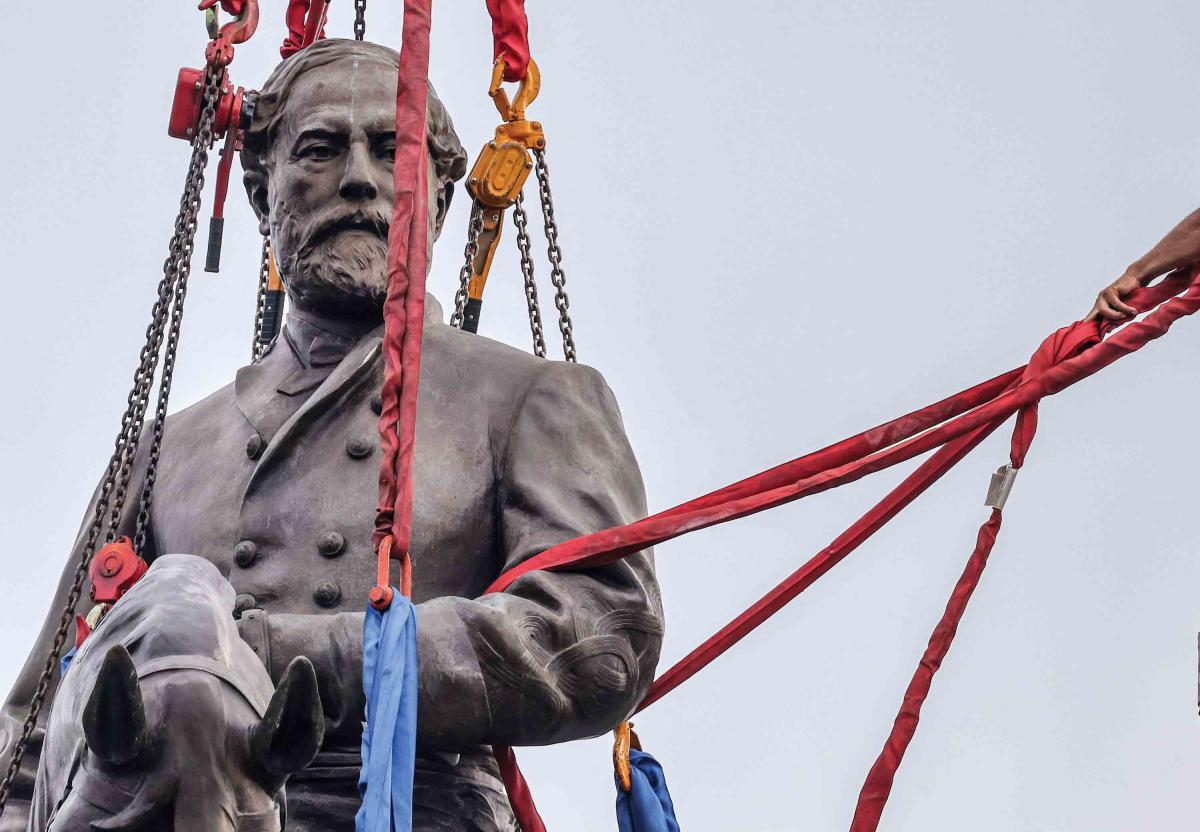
783	222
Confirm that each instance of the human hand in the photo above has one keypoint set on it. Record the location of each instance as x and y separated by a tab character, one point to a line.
1180	248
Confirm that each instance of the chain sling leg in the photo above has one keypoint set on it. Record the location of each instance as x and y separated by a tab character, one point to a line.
360	19
168	308
521	221
557	276
474	226
260	303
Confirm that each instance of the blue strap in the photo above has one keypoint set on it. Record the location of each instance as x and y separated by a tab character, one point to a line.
65	662
647	807
389	741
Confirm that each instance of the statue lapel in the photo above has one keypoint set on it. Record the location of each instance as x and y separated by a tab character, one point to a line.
354	368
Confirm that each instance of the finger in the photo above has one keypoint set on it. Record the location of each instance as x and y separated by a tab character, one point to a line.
1107	311
1097	311
1112	296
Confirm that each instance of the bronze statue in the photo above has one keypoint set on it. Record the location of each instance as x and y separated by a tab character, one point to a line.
273	480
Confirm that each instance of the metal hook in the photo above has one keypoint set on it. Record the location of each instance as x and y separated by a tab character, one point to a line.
240	29
526	92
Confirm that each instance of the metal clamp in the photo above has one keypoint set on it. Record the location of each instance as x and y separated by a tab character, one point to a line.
1000	487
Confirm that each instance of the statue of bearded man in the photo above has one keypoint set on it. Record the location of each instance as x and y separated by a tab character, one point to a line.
273	479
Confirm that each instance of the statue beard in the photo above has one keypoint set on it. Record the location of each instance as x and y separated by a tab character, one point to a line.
343	276
341	271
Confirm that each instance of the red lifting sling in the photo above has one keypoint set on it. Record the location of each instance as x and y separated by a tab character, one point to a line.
950	428
954	426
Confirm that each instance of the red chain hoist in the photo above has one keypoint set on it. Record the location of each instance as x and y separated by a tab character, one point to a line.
234	111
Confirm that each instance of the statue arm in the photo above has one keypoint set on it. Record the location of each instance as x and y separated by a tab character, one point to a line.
557	656
16	706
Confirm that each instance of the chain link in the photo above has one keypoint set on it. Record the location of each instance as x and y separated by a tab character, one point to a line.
260	304
521	221
557	276
464	277
360	19
169	304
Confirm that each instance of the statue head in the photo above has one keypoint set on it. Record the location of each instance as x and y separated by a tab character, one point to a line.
318	161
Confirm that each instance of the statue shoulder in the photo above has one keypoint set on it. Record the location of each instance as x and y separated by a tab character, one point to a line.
217	407
503	375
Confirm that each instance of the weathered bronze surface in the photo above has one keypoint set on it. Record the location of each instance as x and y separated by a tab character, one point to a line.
273	479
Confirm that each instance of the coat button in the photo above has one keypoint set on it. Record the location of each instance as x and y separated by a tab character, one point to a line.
327	594
254	446
377	402
359	447
245	553
244	602
331	544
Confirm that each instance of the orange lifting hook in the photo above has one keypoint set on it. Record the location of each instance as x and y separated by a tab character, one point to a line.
624	738
499	174
504	164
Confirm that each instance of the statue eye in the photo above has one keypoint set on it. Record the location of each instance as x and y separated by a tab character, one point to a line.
318	152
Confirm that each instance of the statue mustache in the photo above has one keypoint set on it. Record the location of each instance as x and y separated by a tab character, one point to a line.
337	221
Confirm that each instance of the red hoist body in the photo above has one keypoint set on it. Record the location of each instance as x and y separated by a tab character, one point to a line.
233	110
114	570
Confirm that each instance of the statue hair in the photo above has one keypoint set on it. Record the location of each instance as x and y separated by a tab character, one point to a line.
445	150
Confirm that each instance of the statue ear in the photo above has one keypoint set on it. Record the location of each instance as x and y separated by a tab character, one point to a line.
255	181
444	197
114	719
289	736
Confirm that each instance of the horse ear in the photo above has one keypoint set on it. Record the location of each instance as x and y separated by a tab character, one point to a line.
289	736
114	719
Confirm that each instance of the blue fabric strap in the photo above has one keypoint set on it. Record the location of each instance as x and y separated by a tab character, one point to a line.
389	742
65	661
647	807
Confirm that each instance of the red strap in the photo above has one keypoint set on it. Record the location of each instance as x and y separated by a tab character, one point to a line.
305	25
404	308
764	491
510	33
1062	345
1065	357
912	487
519	796
878	785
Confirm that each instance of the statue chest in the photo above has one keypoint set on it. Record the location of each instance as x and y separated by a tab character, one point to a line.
288	519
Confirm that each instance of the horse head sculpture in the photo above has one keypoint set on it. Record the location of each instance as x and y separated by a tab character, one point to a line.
167	721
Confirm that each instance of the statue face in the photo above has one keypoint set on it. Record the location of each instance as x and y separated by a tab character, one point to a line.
329	191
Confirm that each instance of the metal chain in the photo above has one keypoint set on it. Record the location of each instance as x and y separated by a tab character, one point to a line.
360	19
168	368
521	221
169	291
464	277
557	277
260	304
176	269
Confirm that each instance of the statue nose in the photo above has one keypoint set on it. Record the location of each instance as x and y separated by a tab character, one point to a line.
357	182
356	188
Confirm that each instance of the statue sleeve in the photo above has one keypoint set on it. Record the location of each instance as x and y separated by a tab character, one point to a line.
16	705
557	656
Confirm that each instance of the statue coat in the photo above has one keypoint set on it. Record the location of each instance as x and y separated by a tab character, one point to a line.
274	479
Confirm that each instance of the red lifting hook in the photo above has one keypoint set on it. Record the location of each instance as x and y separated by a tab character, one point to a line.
239	30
